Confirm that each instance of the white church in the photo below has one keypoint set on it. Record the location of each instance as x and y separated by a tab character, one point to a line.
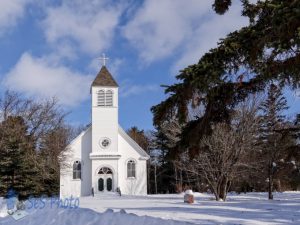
104	158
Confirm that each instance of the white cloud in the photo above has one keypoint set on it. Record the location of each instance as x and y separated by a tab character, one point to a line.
40	78
208	34
115	66
11	12
161	29
127	90
158	27
90	25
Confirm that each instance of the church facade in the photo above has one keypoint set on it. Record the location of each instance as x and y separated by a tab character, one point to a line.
103	158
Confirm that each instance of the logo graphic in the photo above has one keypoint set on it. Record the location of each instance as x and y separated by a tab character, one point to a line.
15	208
11	201
3	210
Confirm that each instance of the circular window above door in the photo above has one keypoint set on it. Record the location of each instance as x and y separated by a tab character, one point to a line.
104	142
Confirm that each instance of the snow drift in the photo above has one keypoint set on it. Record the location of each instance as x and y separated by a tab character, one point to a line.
80	216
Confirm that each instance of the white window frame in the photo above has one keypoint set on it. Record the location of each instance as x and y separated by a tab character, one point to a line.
131	172
77	168
101	98
109	98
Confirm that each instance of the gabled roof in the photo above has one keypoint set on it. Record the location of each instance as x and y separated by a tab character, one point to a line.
104	78
88	127
127	138
133	144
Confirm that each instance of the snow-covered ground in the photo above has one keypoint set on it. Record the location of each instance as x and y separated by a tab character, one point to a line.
251	208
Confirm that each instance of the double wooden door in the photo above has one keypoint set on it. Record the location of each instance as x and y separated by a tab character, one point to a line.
105	183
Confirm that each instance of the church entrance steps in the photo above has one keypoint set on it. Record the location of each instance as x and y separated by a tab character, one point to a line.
106	195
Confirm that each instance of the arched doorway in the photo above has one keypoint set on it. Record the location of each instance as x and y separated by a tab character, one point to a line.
105	179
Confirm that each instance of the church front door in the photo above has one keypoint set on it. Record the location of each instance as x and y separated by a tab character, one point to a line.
105	180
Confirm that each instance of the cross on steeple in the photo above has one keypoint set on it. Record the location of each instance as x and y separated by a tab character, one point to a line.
103	59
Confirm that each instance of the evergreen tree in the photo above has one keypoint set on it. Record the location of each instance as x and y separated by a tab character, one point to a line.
289	172
18	168
33	140
273	140
139	137
163	171
243	63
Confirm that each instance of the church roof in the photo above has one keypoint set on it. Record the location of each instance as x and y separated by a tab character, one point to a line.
104	78
144	155
133	144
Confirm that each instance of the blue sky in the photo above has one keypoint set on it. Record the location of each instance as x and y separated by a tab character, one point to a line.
50	48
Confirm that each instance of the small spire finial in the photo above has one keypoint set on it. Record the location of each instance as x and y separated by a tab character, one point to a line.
103	59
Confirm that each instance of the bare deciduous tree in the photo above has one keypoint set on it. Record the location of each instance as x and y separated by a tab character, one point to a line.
222	151
44	120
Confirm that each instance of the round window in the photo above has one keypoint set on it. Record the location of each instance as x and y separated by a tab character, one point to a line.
104	142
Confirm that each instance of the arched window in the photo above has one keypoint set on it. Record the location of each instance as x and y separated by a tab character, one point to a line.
131	168
101	98
77	170
105	170
109	98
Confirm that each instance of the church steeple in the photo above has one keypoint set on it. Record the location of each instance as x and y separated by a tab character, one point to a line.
105	79
105	124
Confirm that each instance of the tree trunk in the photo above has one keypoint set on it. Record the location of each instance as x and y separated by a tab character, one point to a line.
181	180
270	188
270	191
198	185
224	189
155	179
148	176
221	190
176	179
215	192
215	189
278	185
